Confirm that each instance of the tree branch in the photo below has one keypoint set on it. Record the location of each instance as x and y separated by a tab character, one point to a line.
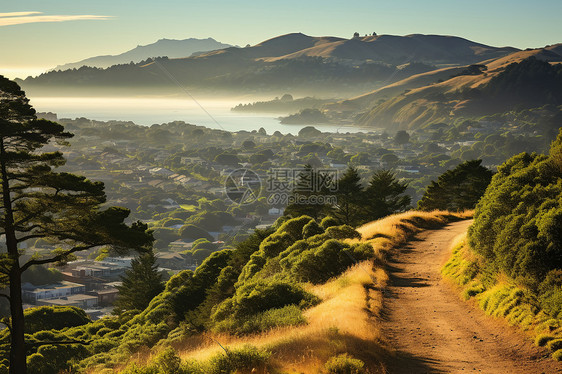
58	257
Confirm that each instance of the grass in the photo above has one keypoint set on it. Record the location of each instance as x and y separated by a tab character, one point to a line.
188	207
341	334
500	297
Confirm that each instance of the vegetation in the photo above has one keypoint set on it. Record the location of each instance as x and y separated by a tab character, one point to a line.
516	237
266	283
354	204
38	202
140	285
457	189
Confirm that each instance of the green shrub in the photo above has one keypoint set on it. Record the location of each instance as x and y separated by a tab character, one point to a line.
328	222
344	364
311	228
168	362
243	359
319	264
54	317
342	232
557	355
290	315
261	295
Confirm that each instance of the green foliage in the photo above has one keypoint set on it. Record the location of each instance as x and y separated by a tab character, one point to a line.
244	359
192	232
321	263
328	222
457	189
385	195
290	315
40	275
53	317
517	223
344	364
140	284
311	228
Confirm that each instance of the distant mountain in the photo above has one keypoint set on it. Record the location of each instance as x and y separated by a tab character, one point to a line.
434	49
523	79
296	63
163	47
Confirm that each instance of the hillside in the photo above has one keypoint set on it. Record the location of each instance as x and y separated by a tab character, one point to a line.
294	62
164	47
493	86
434	49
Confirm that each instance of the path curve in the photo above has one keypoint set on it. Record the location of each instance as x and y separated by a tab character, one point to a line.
433	331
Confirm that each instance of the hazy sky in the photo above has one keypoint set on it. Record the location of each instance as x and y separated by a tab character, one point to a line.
46	33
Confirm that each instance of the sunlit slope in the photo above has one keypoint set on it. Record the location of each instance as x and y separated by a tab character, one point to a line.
440	101
345	321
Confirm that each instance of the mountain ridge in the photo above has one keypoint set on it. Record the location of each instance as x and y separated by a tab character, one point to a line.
162	47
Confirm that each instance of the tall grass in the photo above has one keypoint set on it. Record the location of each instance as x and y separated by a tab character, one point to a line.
502	297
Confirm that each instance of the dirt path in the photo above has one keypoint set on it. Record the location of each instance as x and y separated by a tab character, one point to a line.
433	331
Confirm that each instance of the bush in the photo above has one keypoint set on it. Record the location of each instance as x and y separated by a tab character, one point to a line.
244	359
332	258
261	295
290	315
54	317
344	364
310	229
328	222
342	232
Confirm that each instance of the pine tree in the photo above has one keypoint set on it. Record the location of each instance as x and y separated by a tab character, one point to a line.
308	183
385	195
349	209
140	284
457	189
38	202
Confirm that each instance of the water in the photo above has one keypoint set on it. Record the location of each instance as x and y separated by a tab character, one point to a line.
148	111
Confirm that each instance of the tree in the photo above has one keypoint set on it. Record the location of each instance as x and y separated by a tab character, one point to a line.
307	185
38	202
141	283
348	209
457	189
192	232
385	195
401	137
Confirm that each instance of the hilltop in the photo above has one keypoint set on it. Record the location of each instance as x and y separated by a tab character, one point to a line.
163	47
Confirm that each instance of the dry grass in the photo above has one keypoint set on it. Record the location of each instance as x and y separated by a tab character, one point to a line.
398	228
346	321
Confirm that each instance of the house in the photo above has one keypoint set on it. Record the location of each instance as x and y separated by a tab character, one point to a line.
275	211
171	260
33	294
80	300
105	297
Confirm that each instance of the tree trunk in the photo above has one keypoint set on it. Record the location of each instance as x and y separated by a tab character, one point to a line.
17	347
17	335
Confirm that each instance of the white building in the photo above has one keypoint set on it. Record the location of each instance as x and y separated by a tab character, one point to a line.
32	294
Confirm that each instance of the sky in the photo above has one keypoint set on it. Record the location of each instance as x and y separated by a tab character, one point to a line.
36	35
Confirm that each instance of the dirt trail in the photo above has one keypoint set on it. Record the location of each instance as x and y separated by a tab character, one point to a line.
433	331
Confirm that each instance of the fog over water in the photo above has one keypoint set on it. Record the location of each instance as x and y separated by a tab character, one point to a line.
148	111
